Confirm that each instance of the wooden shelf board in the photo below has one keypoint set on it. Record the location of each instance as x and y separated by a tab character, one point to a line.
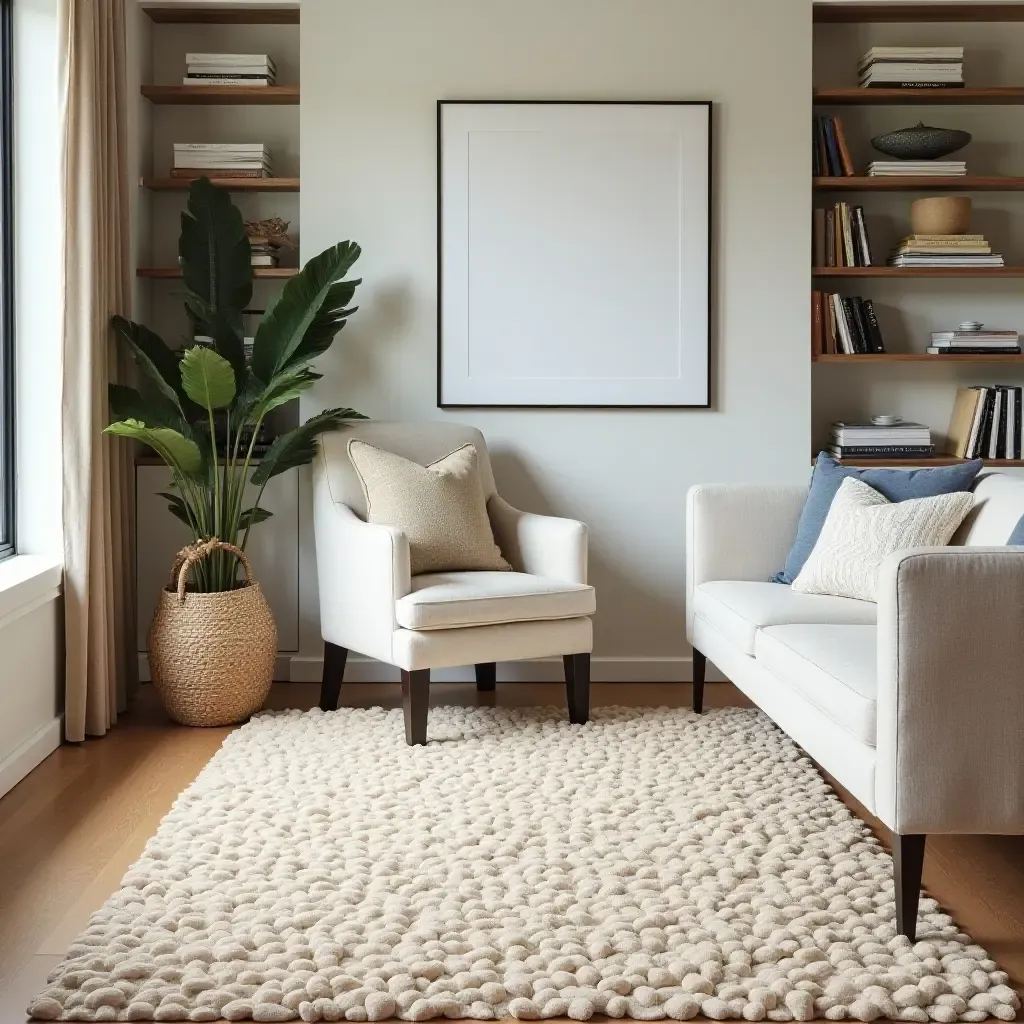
918	357
232	184
190	14
898	272
847	13
169	273
222	94
935	460
896	183
843	97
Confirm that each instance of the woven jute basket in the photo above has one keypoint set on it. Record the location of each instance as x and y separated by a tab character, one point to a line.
211	656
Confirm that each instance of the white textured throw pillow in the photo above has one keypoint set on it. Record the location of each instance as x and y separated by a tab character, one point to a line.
863	527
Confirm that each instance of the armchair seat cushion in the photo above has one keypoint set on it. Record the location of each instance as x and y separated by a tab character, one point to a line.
833	667
452	600
738	609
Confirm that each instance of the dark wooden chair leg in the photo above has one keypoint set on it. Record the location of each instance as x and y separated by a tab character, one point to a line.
908	864
486	675
415	700
334	671
700	667
577	687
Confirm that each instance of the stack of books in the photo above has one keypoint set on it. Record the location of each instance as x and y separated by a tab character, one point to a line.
831	156
844	325
974	343
912	67
229	69
945	251
902	440
986	423
917	168
221	160
263	253
841	237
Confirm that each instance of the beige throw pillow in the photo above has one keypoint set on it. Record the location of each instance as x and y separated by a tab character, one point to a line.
440	508
863	527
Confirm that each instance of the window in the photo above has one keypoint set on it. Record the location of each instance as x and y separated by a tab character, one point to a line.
6	284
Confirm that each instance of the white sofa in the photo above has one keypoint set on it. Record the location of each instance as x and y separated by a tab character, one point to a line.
916	704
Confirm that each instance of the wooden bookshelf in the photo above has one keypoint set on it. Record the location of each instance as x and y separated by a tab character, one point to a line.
210	95
850	96
903	13
170	273
193	14
918	357
232	184
910	183
908	272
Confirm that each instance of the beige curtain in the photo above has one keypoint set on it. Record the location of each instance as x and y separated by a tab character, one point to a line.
99	603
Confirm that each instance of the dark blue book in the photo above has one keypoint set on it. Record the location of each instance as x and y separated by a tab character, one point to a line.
835	163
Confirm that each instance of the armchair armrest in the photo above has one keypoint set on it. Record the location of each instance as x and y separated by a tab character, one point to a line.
738	532
362	570
540	545
951	690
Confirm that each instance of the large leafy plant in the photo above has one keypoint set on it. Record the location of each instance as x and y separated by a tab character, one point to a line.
186	394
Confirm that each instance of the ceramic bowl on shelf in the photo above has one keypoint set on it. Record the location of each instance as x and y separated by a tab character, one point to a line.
970	325
941	215
921	142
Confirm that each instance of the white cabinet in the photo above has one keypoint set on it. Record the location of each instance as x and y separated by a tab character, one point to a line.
273	548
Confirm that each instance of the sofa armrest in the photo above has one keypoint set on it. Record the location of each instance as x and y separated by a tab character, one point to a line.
362	570
540	545
738	532
951	691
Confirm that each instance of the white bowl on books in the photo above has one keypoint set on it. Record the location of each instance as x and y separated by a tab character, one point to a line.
970	325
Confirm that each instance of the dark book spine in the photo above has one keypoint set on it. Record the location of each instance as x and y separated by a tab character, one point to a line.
972	350
835	164
264	77
849	307
1001	425
877	342
863	330
981	448
913	85
1017	432
862	450
816	168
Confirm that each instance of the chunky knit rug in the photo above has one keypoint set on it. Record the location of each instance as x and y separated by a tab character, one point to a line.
650	864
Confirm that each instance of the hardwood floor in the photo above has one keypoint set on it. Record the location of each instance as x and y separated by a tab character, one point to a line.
69	831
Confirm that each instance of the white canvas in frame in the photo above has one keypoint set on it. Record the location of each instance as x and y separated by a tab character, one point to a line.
574	252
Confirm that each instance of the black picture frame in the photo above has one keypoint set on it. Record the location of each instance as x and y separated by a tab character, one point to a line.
441	104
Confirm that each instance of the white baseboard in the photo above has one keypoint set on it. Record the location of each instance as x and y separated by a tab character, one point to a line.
35	749
306	669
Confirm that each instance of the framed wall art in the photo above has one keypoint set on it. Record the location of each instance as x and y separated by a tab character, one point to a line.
574	247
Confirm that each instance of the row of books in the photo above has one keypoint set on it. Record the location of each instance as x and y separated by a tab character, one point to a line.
986	423
831	156
844	325
221	160
944	251
917	168
974	343
841	237
229	69
912	67
902	440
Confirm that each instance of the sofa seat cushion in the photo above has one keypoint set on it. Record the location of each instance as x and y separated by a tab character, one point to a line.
450	600
738	609
833	667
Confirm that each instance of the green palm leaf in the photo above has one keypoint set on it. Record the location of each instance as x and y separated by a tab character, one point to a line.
156	360
330	319
208	378
282	389
215	258
155	410
298	446
252	516
285	323
180	453
176	506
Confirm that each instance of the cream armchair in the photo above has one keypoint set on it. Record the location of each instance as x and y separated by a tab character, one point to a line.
370	603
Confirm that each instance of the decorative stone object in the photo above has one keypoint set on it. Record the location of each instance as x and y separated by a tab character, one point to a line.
941	215
921	142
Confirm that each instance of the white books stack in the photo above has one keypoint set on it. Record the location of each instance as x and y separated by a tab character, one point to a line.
917	168
974	341
221	160
912	67
899	440
229	69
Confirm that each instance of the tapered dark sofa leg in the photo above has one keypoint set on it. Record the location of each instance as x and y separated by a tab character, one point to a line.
334	672
415	701
486	675
700	668
577	687
908	865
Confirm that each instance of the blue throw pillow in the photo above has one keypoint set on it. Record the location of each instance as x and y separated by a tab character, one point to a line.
894	484
1017	537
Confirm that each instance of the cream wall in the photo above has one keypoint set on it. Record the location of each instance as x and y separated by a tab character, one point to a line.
371	74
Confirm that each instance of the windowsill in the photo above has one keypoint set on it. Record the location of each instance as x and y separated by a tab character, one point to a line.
26	581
